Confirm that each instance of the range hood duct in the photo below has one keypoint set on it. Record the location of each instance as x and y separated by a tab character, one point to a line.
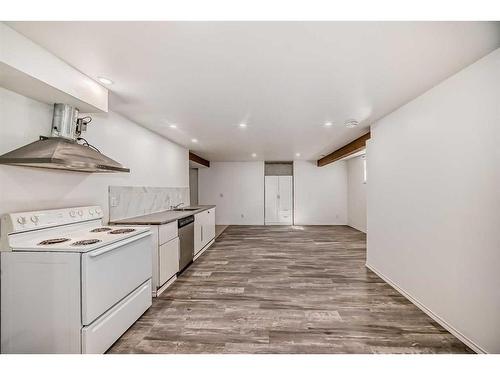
61	150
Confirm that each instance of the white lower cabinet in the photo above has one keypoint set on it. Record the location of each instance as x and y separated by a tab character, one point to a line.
168	260
198	233
209	228
204	229
165	255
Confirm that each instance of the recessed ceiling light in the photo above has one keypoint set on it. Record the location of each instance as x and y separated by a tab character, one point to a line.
351	123
254	155
297	154
173	126
243	125
328	124
106	81
194	140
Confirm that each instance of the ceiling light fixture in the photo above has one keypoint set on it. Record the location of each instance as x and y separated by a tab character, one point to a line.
254	155
106	81
173	126
243	125
297	154
328	124
351	123
194	140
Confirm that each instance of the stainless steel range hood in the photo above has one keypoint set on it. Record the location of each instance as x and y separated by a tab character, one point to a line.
62	150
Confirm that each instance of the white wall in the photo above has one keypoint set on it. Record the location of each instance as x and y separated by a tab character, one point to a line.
434	201
153	160
237	188
356	193
320	193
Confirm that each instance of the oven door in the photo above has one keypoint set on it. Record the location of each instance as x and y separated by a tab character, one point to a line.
112	272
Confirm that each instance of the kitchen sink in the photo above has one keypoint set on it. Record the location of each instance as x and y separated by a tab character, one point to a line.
186	209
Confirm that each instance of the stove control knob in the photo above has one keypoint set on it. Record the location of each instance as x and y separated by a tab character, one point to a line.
91	212
21	220
72	213
34	219
98	211
80	212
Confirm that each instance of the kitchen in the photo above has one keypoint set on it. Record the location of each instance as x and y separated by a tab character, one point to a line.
143	212
65	248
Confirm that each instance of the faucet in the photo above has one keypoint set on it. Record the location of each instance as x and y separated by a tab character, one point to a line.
176	206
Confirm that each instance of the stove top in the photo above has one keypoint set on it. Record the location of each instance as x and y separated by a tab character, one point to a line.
71	239
76	229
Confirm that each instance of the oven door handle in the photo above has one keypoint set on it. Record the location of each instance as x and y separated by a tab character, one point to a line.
119	244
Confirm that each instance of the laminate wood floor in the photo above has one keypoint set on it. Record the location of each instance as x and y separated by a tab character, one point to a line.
262	289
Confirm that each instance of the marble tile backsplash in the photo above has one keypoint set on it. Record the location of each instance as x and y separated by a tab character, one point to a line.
130	201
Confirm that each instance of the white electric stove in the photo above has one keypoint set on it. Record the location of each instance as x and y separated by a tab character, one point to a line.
70	284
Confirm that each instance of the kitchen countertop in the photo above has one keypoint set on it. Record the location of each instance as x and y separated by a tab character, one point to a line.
162	217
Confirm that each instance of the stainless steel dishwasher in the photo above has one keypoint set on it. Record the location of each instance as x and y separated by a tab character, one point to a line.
186	241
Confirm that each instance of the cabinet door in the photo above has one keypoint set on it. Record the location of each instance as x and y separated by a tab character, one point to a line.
198	224
209	226
285	201
169	260
271	197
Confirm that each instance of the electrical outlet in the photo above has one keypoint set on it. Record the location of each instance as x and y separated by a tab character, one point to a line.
221	195
242	216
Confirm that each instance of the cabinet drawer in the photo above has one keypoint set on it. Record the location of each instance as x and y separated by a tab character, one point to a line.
167	232
111	272
100	335
169	260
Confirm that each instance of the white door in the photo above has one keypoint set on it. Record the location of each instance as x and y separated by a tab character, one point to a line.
279	200
285	200
271	192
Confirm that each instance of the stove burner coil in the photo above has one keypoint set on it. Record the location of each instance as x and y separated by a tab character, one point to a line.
53	241
103	229
85	242
120	231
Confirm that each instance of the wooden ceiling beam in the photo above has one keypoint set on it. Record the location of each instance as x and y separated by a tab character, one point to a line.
349	149
198	159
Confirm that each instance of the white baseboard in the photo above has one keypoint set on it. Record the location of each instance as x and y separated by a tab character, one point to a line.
165	286
203	250
355	227
471	344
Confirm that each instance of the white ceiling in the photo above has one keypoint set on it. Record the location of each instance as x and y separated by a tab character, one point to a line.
284	79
